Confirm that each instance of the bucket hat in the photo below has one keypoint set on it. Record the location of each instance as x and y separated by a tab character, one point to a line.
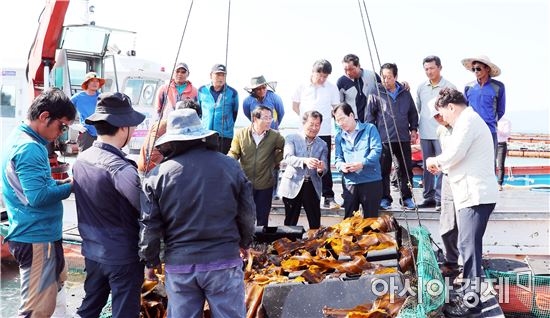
183	125
116	109
89	76
258	81
467	62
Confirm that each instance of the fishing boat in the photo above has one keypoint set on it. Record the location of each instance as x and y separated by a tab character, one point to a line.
519	225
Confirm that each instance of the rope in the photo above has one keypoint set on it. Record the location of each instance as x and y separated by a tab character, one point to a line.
386	127
409	184
371	33
149	147
225	85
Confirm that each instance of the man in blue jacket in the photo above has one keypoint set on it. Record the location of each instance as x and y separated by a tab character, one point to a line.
262	93
33	202
395	116
106	187
200	203
486	95
220	104
358	149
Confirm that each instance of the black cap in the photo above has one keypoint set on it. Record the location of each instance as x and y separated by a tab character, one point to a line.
182	65
218	68
116	109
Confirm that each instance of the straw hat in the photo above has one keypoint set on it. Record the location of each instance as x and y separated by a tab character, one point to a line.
467	62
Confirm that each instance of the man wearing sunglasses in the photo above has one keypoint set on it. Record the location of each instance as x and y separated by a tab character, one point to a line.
33	202
485	94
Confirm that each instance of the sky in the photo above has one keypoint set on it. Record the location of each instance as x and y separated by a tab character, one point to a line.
281	39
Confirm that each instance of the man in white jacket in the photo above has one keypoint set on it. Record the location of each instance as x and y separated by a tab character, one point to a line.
469	160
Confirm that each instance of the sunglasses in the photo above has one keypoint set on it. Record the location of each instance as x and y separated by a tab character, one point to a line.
63	127
476	69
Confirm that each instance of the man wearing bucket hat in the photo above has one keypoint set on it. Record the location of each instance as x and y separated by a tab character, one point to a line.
261	95
106	187
486	95
178	89
262	92
149	156
85	102
200	203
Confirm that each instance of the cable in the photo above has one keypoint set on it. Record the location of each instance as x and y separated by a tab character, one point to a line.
149	147
224	94
387	132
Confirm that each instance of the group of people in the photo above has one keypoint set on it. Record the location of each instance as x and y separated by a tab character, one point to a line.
199	188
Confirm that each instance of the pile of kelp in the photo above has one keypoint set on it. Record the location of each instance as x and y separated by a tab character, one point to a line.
154	301
330	252
384	307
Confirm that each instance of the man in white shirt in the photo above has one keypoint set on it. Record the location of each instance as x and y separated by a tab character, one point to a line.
427	126
469	159
320	95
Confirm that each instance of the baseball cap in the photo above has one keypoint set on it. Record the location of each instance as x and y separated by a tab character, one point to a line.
182	65
219	68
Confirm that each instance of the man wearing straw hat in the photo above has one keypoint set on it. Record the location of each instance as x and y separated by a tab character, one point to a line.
486	95
199	202
262	92
106	187
85	102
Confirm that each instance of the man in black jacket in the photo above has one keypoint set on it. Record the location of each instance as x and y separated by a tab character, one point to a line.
106	188
200	203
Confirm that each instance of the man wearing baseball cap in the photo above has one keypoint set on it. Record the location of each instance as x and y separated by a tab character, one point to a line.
179	88
220	104
85	105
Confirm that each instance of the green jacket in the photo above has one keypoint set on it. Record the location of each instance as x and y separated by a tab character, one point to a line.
258	162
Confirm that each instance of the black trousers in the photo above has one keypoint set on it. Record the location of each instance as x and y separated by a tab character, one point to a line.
262	199
327	178
307	197
367	194
122	281
403	165
224	144
502	149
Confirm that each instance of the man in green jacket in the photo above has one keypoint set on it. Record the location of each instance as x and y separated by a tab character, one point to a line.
259	149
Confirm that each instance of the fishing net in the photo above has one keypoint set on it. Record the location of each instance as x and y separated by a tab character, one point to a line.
521	294
431	290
